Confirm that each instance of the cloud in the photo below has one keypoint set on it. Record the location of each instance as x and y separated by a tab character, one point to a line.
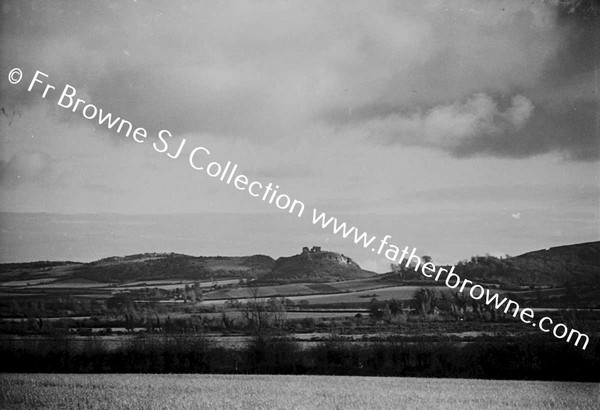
519	112
25	167
536	54
450	126
102	189
284	171
456	71
570	131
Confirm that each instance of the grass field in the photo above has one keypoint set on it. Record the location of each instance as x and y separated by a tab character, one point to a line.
134	391
298	292
269	291
361	284
386	293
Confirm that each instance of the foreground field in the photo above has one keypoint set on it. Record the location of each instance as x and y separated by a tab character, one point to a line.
135	391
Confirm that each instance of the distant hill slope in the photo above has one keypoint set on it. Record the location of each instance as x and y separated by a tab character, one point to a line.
581	254
314	266
577	264
145	266
173	265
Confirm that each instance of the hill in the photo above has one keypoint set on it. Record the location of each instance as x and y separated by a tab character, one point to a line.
173	265
577	265
314	266
562	266
145	266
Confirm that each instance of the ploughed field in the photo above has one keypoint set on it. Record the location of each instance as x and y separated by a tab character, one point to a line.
174	391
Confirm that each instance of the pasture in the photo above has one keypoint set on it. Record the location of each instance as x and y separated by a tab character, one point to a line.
318	298
148	391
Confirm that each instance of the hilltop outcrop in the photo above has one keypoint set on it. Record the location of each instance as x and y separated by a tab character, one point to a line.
315	265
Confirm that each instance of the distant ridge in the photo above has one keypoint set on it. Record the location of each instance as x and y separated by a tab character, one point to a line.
309	266
146	266
577	264
560	266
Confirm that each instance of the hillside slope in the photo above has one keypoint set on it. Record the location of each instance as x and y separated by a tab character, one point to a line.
172	265
577	264
145	266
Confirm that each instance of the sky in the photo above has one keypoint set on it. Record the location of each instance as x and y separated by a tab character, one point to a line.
458	127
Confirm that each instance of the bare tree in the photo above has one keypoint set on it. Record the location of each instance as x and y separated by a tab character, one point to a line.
256	312
425	300
277	310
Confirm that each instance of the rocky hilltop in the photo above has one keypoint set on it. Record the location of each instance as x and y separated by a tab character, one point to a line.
314	265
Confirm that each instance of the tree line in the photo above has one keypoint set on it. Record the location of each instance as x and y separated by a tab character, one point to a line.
527	358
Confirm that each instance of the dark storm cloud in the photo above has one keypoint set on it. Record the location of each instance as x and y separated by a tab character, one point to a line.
563	98
571	132
567	98
502	78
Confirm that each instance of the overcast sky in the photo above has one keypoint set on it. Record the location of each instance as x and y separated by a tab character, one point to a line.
476	123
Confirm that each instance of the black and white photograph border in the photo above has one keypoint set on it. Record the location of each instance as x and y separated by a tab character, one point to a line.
262	204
